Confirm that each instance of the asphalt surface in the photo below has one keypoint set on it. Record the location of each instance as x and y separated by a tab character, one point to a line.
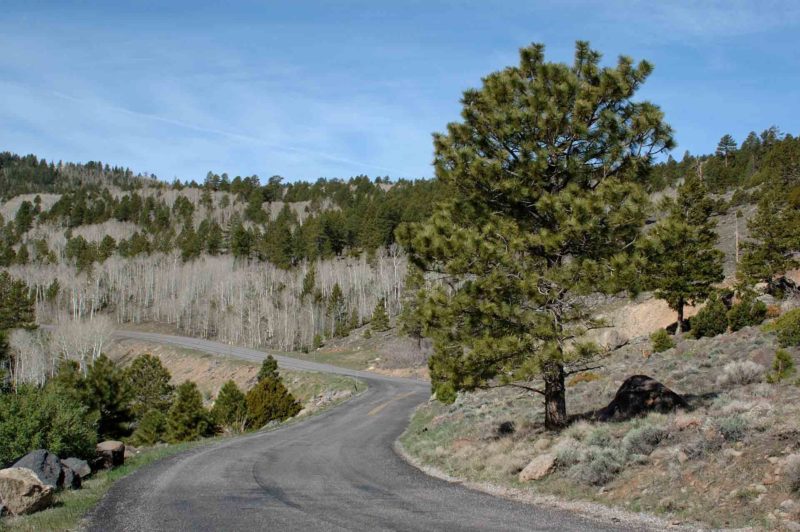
334	471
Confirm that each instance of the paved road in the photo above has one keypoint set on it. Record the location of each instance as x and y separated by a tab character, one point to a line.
334	471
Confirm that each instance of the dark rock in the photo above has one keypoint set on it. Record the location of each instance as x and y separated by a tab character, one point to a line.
506	428
109	454
72	480
639	395
45	465
80	467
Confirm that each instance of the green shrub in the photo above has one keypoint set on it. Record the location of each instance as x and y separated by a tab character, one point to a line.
662	341
187	419
105	390
34	418
268	369
149	382
599	437
230	408
152	428
317	341
711	320
747	312
269	400
782	366
787	328
600	467
733	428
642	440
380	319
445	393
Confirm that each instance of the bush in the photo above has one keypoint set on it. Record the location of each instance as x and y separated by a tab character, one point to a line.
782	366
150	386
107	392
642	440
569	452
747	312
733	428
740	374
230	408
187	419
711	320
34	418
151	429
269	400
268	369
599	437
662	341
787	328
380	319
600	467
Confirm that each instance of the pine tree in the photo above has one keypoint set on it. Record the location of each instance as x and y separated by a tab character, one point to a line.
726	147
150	386
411	322
268	369
544	173
230	408
775	240
151	428
187	418
269	400
17	304
337	312
380	320
106	391
681	262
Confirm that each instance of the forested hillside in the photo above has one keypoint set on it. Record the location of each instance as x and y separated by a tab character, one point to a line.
287	265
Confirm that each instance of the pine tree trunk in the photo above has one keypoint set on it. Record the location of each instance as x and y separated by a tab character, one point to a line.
555	402
680	316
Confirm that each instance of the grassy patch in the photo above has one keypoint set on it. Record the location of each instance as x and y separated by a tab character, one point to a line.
359	359
72	505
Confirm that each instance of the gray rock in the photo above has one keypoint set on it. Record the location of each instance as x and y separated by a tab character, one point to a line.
45	465
72	480
81	467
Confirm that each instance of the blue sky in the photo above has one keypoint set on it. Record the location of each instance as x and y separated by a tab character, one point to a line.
335	89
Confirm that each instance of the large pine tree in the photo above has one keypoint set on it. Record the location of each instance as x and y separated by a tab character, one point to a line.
546	170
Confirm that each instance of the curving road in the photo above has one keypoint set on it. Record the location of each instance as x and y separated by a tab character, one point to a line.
334	471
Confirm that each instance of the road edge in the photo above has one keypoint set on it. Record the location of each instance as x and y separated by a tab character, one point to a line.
605	514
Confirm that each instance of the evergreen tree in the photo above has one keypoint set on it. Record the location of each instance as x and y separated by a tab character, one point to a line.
150	386
230	408
681	262
17	304
151	428
187	418
269	400
337	311
268	369
775	239
106	392
726	147
545	173
411	322
380	319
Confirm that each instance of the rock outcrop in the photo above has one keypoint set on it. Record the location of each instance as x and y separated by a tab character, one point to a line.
21	491
639	395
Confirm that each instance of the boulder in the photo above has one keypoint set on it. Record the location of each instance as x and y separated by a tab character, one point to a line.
538	468
22	492
72	480
80	467
109	454
639	395
612	339
45	465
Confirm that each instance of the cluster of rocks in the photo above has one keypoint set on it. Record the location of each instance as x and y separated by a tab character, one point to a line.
30	483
